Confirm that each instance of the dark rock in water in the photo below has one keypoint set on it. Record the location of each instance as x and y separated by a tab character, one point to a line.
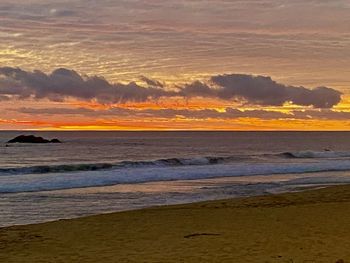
31	139
55	141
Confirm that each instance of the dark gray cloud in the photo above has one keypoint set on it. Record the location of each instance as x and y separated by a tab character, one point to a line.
152	82
246	89
229	113
196	89
55	111
325	114
260	90
63	83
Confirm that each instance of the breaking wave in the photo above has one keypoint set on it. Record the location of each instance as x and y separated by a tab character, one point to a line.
124	164
170	162
69	180
317	154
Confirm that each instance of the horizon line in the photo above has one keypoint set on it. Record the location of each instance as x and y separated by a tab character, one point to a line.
173	130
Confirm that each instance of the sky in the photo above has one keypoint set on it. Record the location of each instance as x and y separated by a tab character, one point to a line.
175	65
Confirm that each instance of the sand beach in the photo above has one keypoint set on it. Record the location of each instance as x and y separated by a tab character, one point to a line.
310	226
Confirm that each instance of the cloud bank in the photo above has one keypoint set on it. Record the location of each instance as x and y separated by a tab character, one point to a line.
229	113
260	90
63	84
203	114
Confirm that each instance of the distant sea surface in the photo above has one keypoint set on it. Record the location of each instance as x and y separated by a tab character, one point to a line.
101	172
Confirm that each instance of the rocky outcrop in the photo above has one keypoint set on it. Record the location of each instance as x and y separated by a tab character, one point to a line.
32	139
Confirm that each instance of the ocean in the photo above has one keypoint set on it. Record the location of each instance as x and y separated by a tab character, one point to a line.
102	172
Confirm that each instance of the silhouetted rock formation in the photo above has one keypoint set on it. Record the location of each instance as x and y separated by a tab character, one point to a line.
55	141
32	139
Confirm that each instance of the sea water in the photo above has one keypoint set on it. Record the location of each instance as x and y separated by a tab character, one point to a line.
101	172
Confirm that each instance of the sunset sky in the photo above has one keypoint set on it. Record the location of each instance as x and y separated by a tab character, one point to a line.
175	65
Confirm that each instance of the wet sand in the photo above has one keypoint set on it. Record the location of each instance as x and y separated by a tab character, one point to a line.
310	226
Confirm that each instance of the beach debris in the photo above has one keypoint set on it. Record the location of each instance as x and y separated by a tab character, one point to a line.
201	234
32	139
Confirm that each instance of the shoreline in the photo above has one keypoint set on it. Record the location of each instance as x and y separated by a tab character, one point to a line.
311	225
295	190
153	189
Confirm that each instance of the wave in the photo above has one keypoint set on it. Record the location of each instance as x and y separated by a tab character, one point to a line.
56	168
69	180
124	164
316	154
169	162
